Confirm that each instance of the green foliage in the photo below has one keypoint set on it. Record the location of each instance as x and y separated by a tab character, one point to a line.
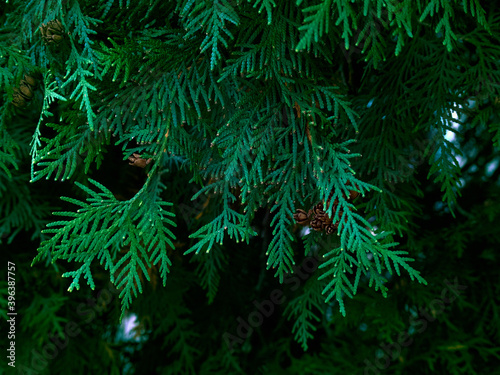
242	112
209	268
104	225
21	208
229	220
210	17
306	309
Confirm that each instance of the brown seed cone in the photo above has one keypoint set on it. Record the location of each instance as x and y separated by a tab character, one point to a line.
353	194
17	99
29	81
52	32
55	27
335	203
317	225
318	210
301	217
25	91
57	38
137	161
326	221
330	228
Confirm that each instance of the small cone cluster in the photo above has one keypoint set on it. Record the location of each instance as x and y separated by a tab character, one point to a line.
52	32
137	161
25	92
317	218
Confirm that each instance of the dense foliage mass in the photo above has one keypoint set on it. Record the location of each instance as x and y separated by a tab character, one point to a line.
267	186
